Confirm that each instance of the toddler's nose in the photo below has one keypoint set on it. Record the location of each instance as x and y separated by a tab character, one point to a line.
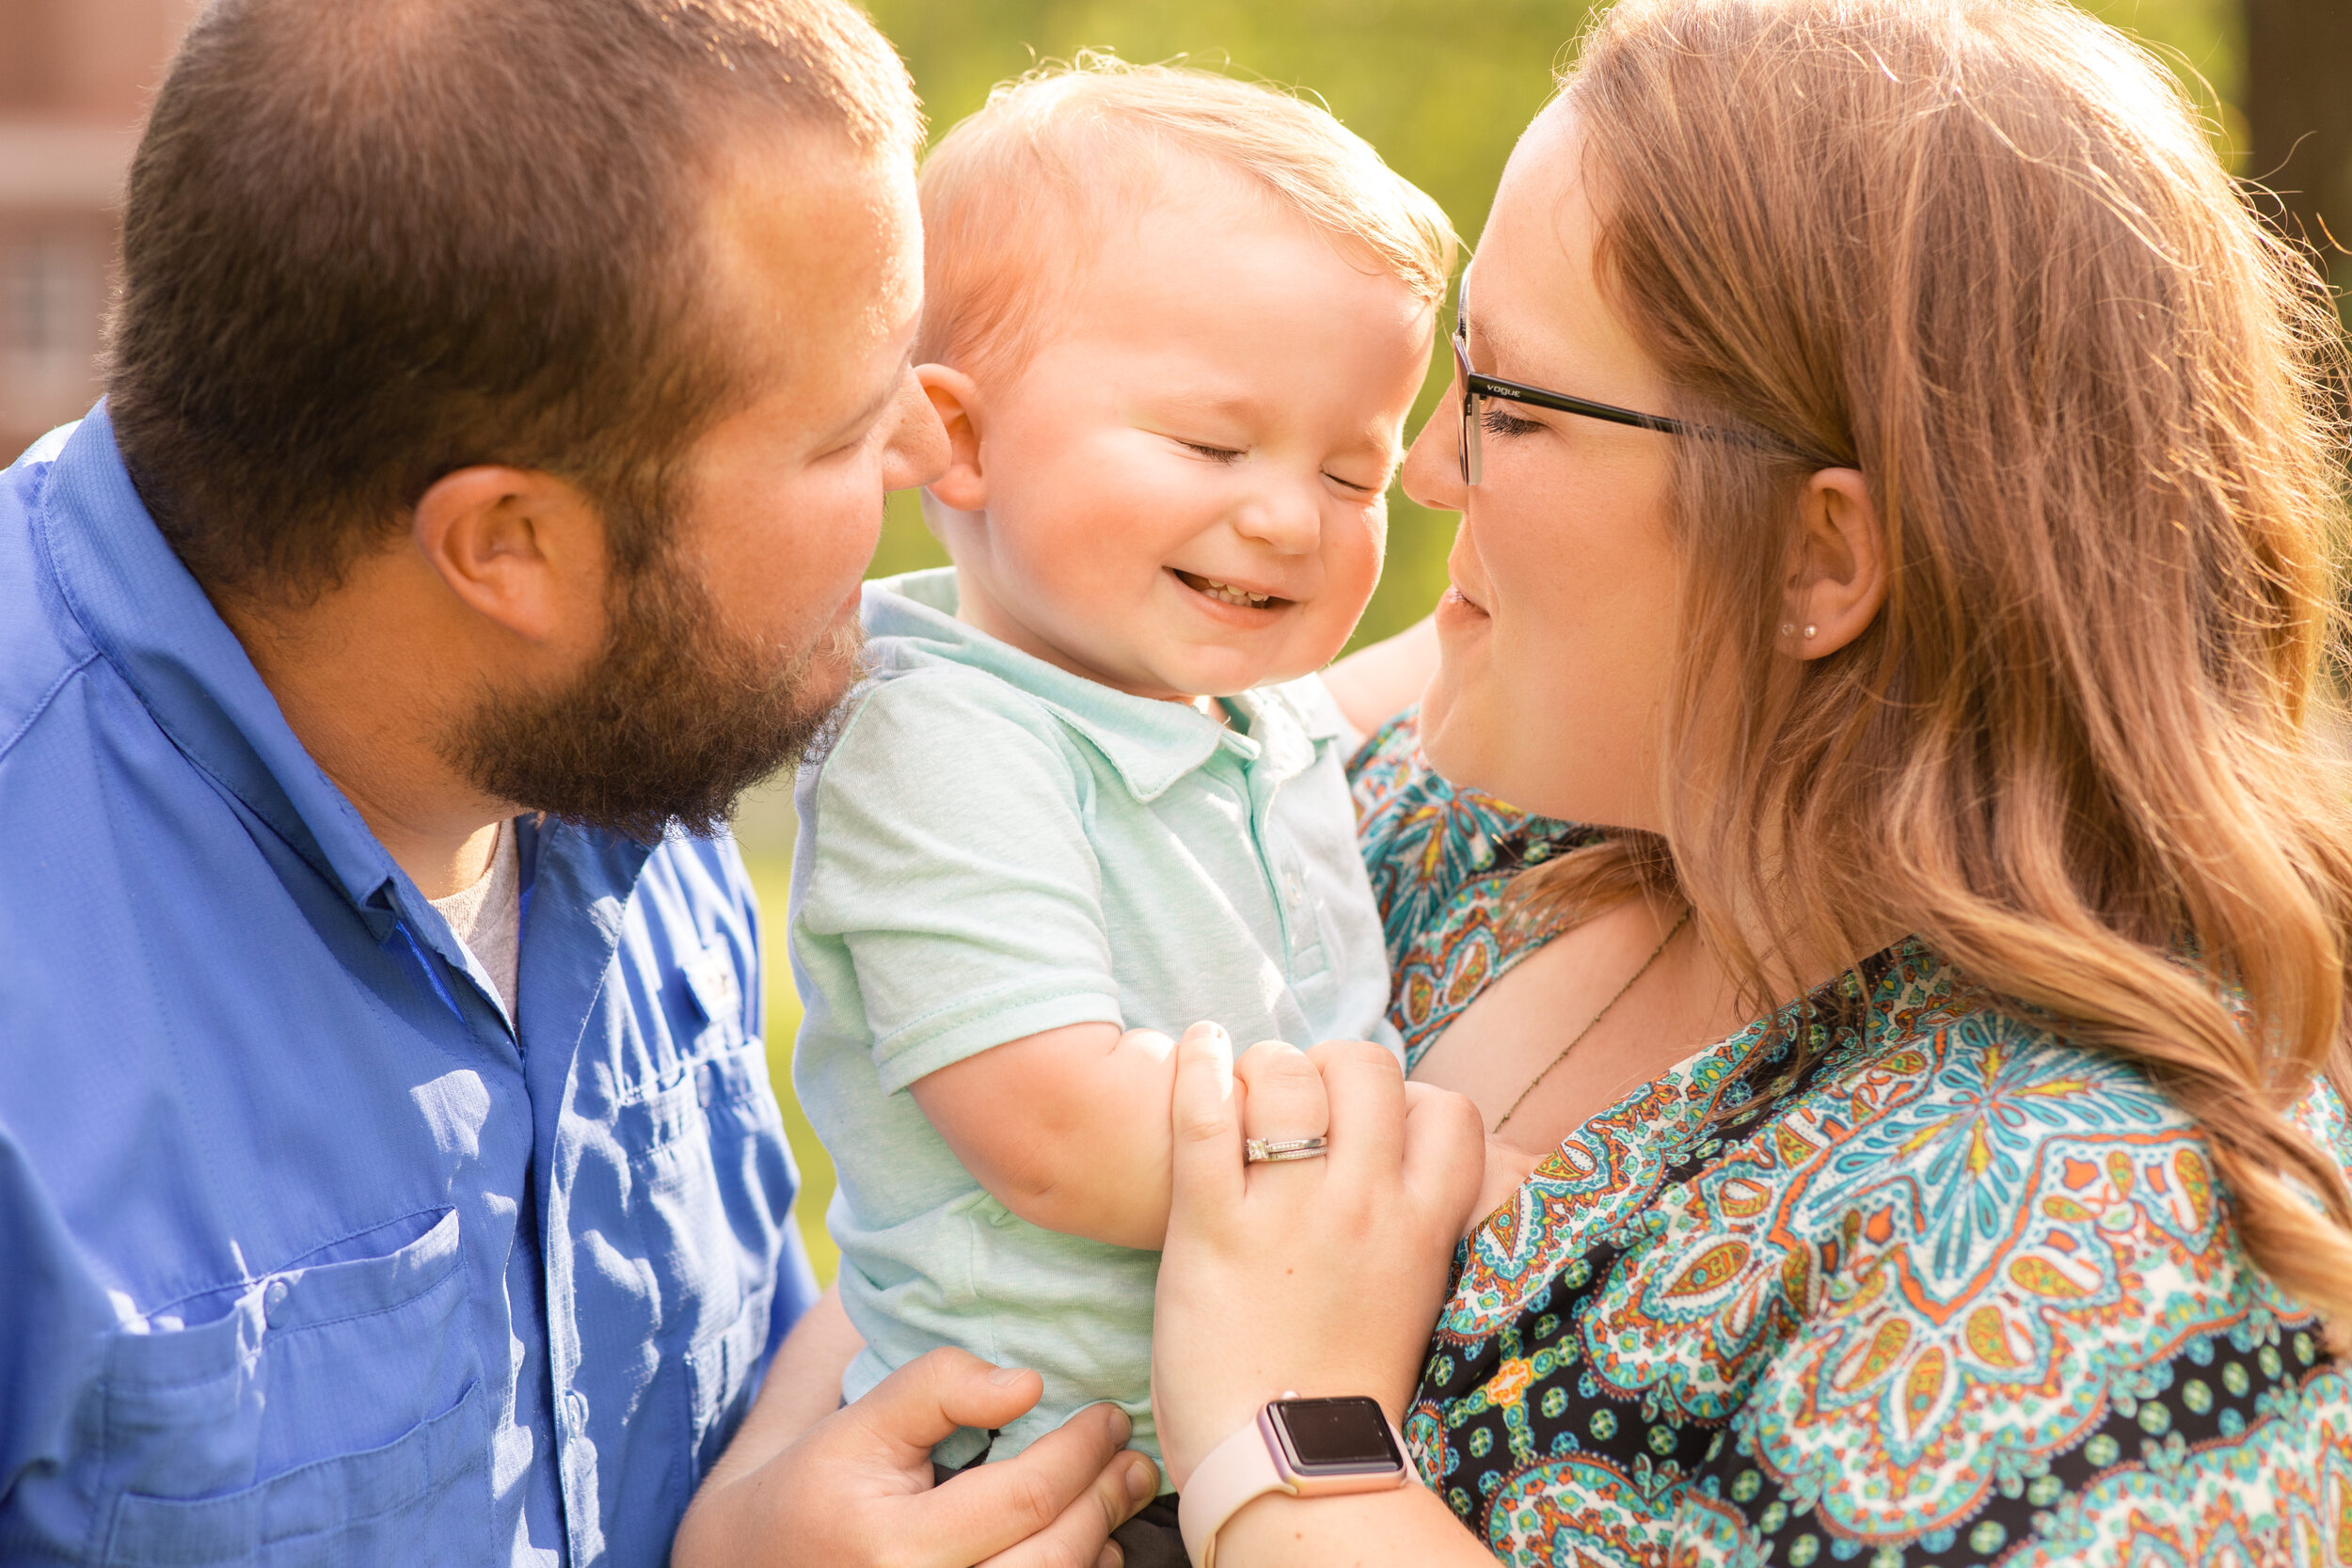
1286	519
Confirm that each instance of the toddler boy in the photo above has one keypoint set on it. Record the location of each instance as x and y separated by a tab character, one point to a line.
1174	324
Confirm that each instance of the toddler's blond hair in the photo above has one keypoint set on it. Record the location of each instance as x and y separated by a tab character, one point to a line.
1022	184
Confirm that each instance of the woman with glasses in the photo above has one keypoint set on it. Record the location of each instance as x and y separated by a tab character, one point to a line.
1897	488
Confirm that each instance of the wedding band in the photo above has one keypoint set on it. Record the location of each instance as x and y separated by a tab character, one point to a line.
1263	1151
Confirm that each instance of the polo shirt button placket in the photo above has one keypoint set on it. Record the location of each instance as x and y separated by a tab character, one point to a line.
1302	922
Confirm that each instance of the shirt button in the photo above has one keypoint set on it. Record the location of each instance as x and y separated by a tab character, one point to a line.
273	1296
574	1411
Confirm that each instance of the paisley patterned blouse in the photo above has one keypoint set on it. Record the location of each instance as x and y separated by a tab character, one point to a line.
1440	860
1955	1292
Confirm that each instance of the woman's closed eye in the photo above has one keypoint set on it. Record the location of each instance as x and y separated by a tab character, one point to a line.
1500	421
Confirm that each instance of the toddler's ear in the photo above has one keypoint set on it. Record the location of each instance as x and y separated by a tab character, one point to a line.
963	488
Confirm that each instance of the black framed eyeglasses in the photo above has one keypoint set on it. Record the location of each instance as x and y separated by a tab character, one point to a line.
1475	385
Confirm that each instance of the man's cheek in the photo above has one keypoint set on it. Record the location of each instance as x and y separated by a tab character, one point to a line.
838	535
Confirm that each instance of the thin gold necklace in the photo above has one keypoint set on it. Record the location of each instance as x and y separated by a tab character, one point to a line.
1593	1022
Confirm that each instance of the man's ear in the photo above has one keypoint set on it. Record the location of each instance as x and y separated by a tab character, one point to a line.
964	487
522	549
1837	578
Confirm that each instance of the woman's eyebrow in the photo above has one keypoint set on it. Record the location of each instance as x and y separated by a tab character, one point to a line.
1499	342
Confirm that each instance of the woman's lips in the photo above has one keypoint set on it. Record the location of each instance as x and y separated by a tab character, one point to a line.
1459	603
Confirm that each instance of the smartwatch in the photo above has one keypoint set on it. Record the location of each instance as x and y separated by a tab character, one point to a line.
1307	1448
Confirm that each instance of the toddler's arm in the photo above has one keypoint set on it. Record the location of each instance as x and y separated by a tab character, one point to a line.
1067	1129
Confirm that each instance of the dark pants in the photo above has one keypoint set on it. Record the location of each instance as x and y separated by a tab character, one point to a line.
1150	1539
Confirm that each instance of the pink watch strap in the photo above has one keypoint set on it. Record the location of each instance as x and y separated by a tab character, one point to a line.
1236	1470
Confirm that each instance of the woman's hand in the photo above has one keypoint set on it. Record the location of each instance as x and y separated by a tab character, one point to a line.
1508	1167
855	1488
1319	1276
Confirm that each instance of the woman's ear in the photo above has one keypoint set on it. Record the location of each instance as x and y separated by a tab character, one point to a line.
1838	578
964	487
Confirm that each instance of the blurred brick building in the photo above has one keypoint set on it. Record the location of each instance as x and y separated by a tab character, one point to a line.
74	81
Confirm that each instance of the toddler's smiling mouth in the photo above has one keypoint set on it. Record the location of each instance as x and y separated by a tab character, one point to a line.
1225	592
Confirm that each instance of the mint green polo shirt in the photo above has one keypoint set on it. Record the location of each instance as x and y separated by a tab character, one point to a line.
991	847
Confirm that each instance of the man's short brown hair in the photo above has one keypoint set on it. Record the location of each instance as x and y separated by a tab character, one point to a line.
368	242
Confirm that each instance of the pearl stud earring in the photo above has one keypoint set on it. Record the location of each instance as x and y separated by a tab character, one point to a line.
1788	629
1811	632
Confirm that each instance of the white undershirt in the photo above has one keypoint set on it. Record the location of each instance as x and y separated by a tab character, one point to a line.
488	917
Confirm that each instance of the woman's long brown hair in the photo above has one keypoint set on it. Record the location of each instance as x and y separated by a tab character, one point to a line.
1982	251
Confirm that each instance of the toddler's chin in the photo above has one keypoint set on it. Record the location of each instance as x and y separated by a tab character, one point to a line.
1231	680
1187	662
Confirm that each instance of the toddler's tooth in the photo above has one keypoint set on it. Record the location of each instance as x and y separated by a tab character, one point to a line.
1225	592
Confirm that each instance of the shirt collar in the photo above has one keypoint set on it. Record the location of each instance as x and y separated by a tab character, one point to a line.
1150	744
154	625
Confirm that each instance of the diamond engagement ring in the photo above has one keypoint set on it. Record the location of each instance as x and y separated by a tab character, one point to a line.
1263	1151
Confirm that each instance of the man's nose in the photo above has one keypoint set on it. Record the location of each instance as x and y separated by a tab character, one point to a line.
917	449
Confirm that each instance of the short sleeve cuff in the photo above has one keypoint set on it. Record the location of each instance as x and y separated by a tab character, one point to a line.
980	1024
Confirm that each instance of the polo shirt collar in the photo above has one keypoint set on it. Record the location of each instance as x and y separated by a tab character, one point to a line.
1151	744
152	622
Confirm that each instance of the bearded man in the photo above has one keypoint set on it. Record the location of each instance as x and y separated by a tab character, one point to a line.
502	400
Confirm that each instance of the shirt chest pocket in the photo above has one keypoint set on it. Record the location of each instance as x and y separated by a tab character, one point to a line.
331	1412
710	1172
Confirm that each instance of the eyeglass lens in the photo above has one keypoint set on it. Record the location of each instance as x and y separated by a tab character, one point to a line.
1469	411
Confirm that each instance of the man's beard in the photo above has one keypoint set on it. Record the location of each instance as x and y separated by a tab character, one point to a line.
670	724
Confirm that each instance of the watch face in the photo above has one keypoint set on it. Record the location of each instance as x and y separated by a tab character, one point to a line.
1347	1436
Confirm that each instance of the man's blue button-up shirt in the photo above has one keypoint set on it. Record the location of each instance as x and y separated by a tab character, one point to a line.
306	1256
